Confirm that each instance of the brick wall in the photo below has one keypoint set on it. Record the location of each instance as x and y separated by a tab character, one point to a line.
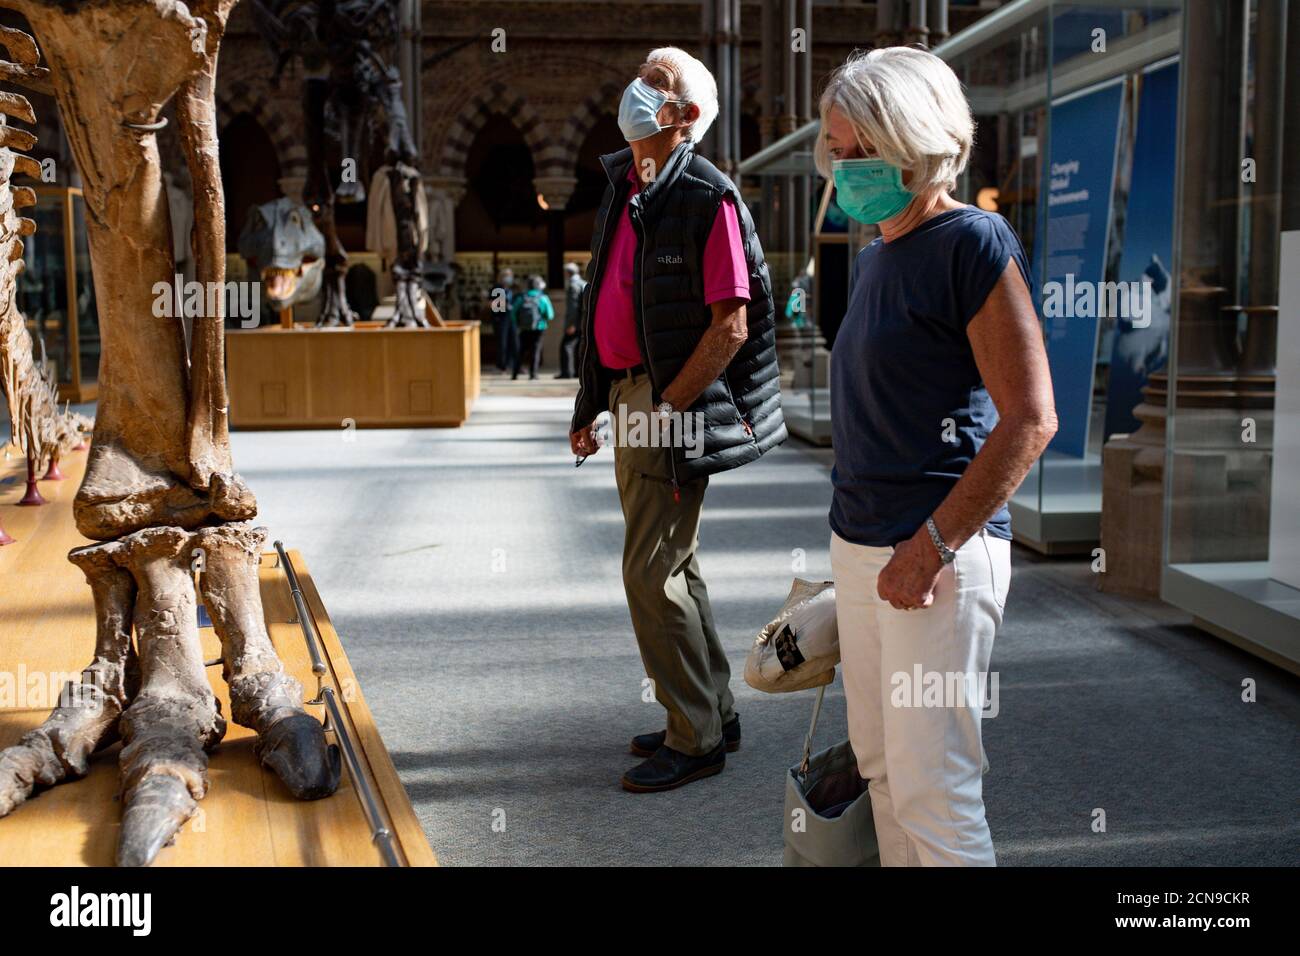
564	64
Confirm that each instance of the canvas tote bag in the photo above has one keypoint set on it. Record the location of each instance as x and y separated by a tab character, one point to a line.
827	807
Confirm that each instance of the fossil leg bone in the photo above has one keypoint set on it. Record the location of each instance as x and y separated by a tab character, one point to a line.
159	479
87	716
174	719
145	468
262	696
208	428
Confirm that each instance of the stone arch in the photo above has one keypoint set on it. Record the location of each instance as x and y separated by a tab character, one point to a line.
581	121
288	141
498	98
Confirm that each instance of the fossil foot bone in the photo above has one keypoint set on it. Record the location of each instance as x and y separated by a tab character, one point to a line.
408	311
119	497
295	750
159	807
175	719
27	764
86	719
290	742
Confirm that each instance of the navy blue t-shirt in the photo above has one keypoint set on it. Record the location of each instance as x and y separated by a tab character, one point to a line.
909	409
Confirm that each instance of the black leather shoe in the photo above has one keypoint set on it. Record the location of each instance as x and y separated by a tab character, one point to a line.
645	745
669	769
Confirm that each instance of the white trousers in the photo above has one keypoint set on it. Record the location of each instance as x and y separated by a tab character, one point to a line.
913	682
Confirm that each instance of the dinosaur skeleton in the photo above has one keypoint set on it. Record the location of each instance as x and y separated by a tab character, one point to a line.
160	498
347	89
40	431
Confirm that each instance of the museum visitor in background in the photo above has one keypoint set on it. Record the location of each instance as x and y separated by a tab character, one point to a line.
941	401
574	284
503	325
678	331
531	316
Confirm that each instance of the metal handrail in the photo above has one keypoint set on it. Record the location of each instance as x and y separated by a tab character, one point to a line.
380	834
300	605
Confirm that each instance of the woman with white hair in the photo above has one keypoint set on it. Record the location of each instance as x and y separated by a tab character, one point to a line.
941	403
678	335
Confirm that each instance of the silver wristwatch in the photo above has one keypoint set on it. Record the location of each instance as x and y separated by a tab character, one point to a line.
946	554
664	410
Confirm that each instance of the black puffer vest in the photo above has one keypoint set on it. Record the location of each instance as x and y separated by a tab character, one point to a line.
672	217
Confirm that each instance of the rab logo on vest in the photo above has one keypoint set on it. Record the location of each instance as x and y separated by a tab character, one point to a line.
669	260
134	910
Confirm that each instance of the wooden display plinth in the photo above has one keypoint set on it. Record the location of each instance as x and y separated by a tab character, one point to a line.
47	634
369	376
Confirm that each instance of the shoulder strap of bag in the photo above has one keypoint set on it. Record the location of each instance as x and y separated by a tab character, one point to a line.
812	729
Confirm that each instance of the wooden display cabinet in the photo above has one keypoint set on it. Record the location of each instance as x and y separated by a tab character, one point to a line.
369	376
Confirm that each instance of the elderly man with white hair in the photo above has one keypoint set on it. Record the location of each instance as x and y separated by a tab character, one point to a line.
678	335
941	402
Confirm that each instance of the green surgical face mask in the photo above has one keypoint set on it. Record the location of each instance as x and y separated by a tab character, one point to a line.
870	190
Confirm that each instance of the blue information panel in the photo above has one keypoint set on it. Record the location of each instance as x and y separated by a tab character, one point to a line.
1084	135
1142	337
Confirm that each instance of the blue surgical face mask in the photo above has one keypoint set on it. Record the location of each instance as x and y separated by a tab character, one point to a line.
870	190
638	113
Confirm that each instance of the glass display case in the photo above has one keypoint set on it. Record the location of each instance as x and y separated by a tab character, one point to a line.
1075	106
807	253
56	291
1231	548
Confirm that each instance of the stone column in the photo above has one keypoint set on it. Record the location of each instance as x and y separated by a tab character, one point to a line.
938	21
803	108
557	191
720	27
770	63
445	194
409	55
888	32
917	31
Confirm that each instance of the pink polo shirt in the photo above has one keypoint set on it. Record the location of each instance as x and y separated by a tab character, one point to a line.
726	276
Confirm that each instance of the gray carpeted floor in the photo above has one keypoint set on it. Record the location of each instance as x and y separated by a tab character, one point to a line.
474	576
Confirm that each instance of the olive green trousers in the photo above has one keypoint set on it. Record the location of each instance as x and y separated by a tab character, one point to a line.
666	596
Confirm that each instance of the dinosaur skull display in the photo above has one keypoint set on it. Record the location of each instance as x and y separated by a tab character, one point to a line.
160	493
282	244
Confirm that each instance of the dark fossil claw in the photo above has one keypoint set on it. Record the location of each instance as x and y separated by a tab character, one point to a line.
158	808
296	751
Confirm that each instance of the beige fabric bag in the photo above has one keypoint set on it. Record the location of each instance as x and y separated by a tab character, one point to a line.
800	647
